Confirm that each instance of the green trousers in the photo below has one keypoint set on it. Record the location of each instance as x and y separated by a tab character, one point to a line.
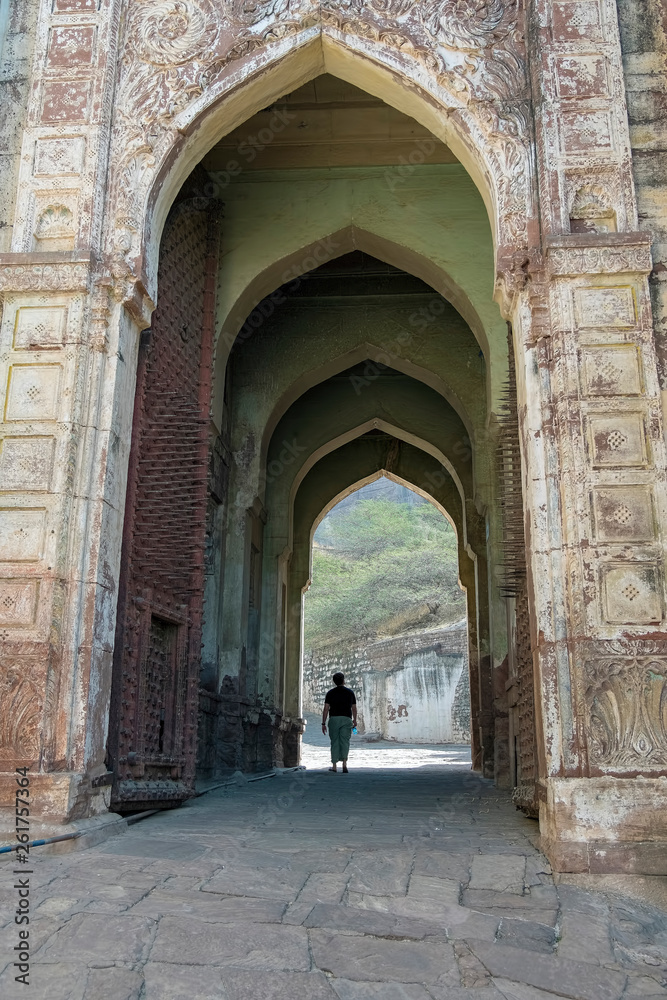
340	730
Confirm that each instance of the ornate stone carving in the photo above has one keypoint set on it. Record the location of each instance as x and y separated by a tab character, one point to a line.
626	701
20	722
65	277
54	229
591	210
601	260
175	51
172	32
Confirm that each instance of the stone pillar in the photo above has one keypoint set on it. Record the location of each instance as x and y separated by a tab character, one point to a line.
67	365
68	359
593	459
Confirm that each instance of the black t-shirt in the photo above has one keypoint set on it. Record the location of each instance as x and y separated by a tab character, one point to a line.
340	701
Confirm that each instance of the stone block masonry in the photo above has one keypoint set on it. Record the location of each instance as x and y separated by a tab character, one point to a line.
410	688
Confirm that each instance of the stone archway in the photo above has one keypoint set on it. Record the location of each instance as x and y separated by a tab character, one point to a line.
592	446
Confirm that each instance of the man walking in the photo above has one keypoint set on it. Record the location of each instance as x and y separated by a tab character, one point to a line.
340	707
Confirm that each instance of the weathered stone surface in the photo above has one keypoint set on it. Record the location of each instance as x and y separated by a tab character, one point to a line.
379	874
445	866
442	892
280	986
367	958
242	945
501	873
114	984
96	937
529	935
183	982
324	888
348	990
511	905
569	979
210	907
61	981
282	884
585	937
373	922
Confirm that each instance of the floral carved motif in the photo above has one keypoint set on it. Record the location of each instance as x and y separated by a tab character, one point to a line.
600	260
44	277
171	32
20	732
626	701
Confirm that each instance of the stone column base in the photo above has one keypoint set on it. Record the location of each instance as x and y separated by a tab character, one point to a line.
56	797
605	825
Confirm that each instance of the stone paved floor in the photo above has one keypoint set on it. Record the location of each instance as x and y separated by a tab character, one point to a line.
418	882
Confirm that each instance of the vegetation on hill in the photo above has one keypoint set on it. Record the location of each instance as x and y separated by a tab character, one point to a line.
384	563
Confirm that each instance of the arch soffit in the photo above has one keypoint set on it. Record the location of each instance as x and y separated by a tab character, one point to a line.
187	79
329	246
371	352
342	439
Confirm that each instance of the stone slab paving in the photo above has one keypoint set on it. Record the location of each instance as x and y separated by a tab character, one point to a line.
415	880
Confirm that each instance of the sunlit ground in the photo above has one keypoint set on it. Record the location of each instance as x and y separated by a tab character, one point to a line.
384	755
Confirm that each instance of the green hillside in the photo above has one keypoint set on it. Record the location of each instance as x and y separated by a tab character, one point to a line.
384	563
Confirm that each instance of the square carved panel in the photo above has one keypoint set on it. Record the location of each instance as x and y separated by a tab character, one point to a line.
22	534
585	132
33	392
632	593
617	440
65	101
605	307
74	6
611	370
624	514
577	21
581	75
36	327
71	46
26	463
18	603
58	157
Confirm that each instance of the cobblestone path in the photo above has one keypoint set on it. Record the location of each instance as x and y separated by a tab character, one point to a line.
401	884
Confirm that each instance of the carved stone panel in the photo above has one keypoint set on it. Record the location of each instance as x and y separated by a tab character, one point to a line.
71	46
20	721
618	440
37	327
33	392
624	514
26	463
632	593
74	6
18	603
611	370
22	534
577	21
605	307
626	702
586	132
581	75
66	101
55	157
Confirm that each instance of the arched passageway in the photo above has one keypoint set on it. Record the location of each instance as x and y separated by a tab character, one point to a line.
412	201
